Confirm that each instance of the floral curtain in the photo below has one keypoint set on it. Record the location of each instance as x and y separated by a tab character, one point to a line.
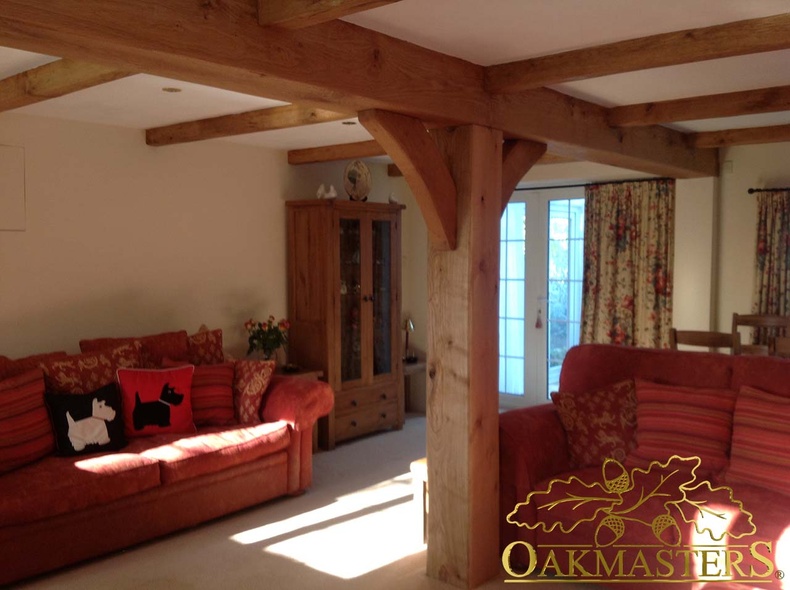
772	280
629	241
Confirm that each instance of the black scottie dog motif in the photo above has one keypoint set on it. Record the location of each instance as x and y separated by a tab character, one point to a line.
155	413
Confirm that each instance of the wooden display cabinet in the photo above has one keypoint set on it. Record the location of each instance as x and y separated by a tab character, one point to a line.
344	305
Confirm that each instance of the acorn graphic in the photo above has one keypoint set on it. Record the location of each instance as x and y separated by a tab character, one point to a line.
609	530
666	530
615	477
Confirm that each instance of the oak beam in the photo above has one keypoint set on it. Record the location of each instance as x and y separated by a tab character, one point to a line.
411	147
281	117
518	156
580	130
333	153
728	104
221	44
748	136
462	403
52	80
744	37
296	14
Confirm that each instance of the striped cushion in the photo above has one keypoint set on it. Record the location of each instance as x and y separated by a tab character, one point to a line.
25	430
683	421
761	441
212	395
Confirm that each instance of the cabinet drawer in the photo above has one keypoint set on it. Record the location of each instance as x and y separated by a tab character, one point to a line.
367	420
349	402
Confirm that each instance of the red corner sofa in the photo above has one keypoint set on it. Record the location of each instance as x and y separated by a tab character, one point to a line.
566	514
56	510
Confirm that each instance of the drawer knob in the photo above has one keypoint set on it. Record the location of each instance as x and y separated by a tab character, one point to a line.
383	414
353	423
383	396
354	403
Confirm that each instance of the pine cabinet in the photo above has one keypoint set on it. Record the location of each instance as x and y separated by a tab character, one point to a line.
344	305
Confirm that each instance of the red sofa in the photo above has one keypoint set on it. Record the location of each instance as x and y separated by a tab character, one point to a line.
535	457
57	510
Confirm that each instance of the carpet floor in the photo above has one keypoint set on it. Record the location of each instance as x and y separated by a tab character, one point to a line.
358	527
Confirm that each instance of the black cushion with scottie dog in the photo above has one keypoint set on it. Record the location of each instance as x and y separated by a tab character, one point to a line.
87	423
156	400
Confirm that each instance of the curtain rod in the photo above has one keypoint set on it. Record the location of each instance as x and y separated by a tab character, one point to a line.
768	190
585	184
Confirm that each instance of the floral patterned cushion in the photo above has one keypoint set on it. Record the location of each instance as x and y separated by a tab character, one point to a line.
600	423
12	367
205	348
89	371
249	384
154	348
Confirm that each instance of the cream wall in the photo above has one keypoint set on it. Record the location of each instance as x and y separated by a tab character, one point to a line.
756	166
126	239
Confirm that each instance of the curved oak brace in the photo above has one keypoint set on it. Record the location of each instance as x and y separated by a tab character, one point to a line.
408	143
518	156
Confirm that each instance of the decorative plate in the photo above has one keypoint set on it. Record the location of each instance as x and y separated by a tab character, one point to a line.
357	181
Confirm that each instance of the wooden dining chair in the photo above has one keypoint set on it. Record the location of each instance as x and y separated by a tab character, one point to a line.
713	341
767	327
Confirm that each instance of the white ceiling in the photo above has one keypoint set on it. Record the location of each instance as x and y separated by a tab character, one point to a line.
485	32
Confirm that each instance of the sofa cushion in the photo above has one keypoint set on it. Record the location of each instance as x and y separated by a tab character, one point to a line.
156	401
83	373
87	423
600	423
205	348
11	367
25	430
760	452
212	449
249	384
683	421
212	393
57	485
153	348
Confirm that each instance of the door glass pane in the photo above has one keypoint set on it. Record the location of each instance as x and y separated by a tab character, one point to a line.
382	296
512	299
350	300
565	268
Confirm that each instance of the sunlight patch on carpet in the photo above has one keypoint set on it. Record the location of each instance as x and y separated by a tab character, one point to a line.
357	534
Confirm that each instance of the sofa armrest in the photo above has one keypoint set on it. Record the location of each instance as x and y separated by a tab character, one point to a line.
299	402
532	448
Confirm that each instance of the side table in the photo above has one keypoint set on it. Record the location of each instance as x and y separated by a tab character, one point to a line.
410	369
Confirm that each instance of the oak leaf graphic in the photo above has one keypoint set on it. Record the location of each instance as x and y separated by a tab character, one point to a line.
644	496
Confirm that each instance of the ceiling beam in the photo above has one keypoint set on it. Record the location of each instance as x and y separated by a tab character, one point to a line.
52	80
744	37
748	136
415	152
296	14
333	153
518	156
281	117
580	130
729	104
222	45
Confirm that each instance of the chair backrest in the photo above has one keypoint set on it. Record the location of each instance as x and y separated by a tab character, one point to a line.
710	340
781	346
767	327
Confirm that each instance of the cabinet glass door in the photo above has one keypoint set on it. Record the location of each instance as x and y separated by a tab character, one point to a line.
382	297
350	300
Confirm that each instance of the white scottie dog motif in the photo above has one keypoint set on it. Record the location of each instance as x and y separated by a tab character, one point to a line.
93	430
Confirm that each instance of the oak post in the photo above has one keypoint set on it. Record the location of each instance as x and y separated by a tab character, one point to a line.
462	405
